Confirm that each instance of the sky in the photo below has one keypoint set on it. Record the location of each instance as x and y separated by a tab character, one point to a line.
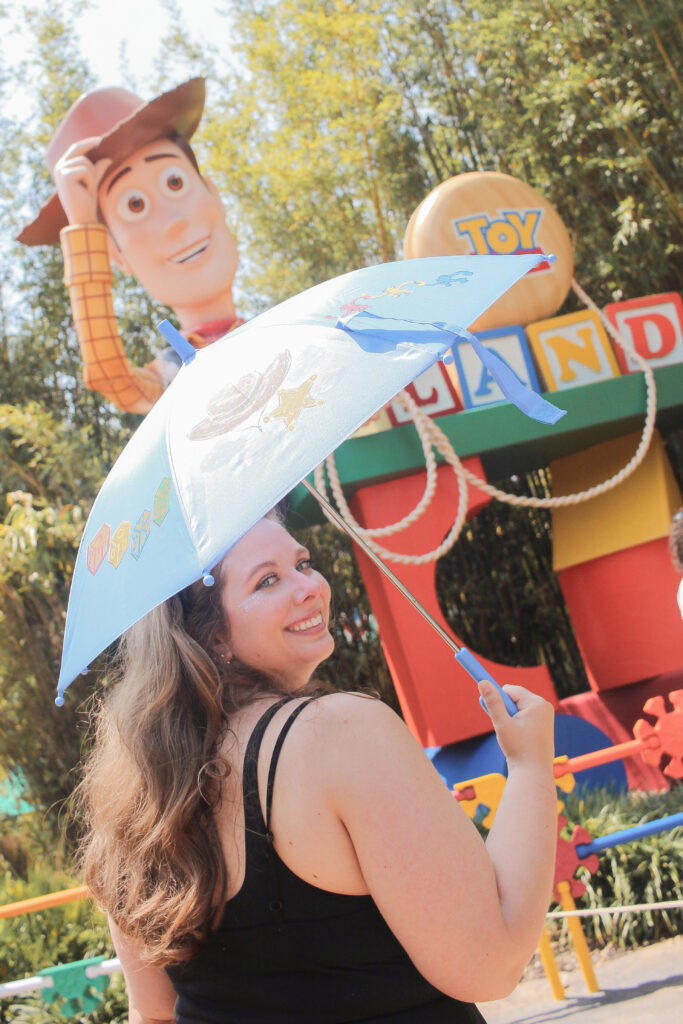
107	25
139	24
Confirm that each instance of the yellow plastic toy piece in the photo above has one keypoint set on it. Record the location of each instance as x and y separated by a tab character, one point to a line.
566	781
545	951
578	938
488	789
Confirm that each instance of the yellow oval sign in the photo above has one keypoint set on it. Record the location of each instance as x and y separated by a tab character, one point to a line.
486	213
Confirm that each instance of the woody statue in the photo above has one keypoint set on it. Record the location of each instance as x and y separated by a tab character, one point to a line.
129	193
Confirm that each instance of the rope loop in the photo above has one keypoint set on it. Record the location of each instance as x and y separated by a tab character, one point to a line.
424	426
432	437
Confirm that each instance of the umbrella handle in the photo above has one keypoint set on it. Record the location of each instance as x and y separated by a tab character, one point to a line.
475	669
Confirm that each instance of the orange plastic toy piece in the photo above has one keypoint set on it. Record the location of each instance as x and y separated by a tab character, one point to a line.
668	732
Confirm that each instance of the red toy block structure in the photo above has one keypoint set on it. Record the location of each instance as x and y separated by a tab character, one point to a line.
653	325
434	692
614	602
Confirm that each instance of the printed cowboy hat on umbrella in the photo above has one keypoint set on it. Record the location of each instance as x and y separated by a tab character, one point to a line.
249	417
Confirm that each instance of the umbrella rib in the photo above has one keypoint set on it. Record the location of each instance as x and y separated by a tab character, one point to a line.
383	568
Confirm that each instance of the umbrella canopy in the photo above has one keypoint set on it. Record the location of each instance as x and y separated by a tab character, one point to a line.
251	415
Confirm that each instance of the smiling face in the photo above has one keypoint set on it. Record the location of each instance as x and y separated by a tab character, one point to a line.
167	228
277	606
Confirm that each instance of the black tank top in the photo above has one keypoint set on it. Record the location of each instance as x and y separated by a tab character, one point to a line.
287	952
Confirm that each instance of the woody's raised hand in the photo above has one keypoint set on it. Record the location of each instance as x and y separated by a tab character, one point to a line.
77	179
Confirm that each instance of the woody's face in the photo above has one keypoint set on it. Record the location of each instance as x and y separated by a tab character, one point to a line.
167	228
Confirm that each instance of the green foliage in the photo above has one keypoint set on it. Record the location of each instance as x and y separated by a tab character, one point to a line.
648	870
57	440
50	473
32	942
341	116
308	142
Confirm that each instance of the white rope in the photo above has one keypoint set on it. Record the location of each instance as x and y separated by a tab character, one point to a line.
424	426
431	435
430	462
639	908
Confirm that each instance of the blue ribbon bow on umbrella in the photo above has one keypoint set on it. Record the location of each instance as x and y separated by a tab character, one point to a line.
250	416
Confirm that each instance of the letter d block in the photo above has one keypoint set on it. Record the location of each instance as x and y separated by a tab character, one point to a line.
653	325
476	383
572	350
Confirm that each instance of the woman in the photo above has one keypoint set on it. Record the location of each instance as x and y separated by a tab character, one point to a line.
346	885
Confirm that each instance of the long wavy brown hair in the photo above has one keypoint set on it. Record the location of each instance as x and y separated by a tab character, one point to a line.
150	851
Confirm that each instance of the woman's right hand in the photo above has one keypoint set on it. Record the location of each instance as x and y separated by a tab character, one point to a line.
77	180
527	737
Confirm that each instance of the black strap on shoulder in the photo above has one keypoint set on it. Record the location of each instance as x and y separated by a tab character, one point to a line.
275	904
252	805
276	754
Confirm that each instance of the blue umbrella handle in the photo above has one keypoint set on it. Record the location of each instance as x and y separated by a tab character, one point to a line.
474	668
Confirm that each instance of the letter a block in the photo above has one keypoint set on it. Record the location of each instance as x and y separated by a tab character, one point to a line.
572	350
653	325
476	383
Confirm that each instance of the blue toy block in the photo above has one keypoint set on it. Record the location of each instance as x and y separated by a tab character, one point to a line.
476	383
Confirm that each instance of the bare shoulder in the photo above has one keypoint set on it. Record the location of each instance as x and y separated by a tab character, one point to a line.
356	737
357	717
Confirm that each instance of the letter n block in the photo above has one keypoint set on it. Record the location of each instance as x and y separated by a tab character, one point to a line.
572	350
476	383
653	325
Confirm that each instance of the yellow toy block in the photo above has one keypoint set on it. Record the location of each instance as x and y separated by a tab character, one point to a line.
572	350
637	511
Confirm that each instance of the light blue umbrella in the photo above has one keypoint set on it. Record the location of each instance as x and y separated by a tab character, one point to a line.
251	415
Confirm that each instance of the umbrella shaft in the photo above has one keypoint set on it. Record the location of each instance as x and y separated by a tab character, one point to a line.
384	569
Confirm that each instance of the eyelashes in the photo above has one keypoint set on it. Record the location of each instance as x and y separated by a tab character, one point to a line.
271	578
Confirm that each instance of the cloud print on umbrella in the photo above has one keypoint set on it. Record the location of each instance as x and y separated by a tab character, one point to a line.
251	415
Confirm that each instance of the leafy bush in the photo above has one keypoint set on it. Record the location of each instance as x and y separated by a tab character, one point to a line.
32	942
648	870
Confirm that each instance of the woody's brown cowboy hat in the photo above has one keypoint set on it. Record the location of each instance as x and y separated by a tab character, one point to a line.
123	123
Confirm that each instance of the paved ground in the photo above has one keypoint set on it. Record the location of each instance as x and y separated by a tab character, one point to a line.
640	987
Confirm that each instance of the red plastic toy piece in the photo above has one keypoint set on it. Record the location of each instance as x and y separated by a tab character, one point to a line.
668	731
567	860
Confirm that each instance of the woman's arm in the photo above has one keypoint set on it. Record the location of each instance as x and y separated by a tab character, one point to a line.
469	915
524	870
151	996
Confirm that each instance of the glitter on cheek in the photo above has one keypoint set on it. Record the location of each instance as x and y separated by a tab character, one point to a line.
248	604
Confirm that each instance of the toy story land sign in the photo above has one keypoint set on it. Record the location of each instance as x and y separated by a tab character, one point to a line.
484	212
